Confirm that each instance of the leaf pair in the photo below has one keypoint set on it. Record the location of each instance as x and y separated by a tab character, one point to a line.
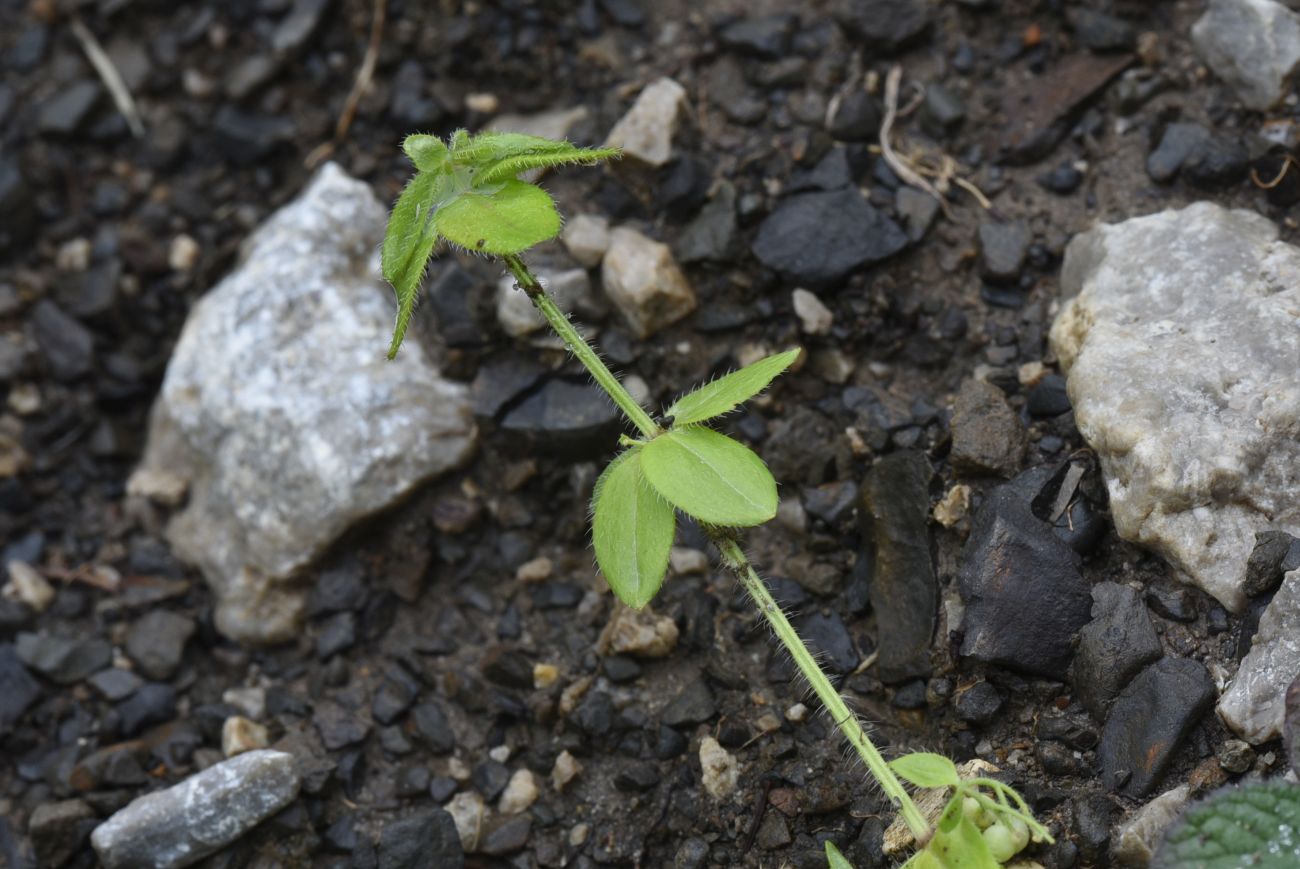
706	475
467	192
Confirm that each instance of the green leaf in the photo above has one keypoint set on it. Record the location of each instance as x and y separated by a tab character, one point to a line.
710	476
428	153
632	529
503	219
727	393
491	146
512	166
927	770
1255	825
834	859
957	842
408	244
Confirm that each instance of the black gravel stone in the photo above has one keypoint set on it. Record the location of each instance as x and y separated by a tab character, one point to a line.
669	743
620	669
764	36
819	238
638	776
1176	604
58	830
1101	31
426	839
826	636
18	689
910	695
942	111
1094	818
1073	729
432	728
555	595
1148	723
978	704
66	344
1063	180
64	660
885	25
1275	553
683	186
337	589
855	118
1011	559
508	668
338	633
68	110
246	139
1047	397
895	504
1176	145
154	703
595	714
156	642
1113	647
17	212
392	699
490	779
1216	162
569	416
693	704
1003	249
508	836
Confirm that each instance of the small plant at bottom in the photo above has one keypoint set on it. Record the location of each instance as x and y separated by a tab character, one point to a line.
1255	825
467	191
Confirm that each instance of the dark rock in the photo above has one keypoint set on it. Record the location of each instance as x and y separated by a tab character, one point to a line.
247	139
1117	644
1063	504
1177	143
1041	108
432	728
918	210
904	592
338	633
832	172
942	111
765	36
67	111
297	27
691	854
819	238
426	839
683	186
1100	31
17	210
250	75
855	117
773	833
1025	597
1048	397
337	589
1058	760
450	295
490	779
829	640
27	48
887	25
555	595
786	449
1216	162
115	684
1074	730
978	704
1003	248
1236	756
830	502
1000	296
1148	722
669	743
508	668
342	835
1063	180
507	836
18	689
1177	604
441	788
392	699
153	703
711	234
595	714
156	642
91	293
1274	554
338	726
637	777
565	416
910	695
63	659
693	704
1094	817
987	435
67	345
59	830
625	13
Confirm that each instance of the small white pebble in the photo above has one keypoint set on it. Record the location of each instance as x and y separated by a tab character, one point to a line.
521	793
26	584
814	317
73	255
537	570
578	835
545	675
183	253
686	561
499	753
239	735
486	104
796	713
566	769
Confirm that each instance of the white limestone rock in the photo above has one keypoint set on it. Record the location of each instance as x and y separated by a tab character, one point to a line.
282	415
1181	339
1254	705
646	132
1253	45
1136	839
645	283
586	237
517	314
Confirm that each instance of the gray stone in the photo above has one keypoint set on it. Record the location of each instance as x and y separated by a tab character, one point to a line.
58	830
1254	705
18	689
987	435
183	824
1253	45
904	591
68	110
68	346
1136	839
818	238
517	315
281	412
711	234
64	660
646	132
644	282
1113	647
156	642
1181	345
427	839
1003	249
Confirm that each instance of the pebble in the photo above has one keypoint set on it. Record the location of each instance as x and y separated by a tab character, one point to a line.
239	735
156	642
828	639
67	345
570	289
887	25
895	507
62	659
115	684
1101	31
641	633
508	836
152	703
646	132
1254	704
28	585
814	317
467	811
433	728
686	561
1063	180
1148	722
1253	45
720	772
338	726
1012	557
1136	840
520	793
1003	248
692	704
762	36
711	234
430	838
644	282
566	769
818	238
1275	553
854	117
59	830
1176	145
979	704
201	815
918	210
67	111
183	254
1114	647
987	435
942	111
586	237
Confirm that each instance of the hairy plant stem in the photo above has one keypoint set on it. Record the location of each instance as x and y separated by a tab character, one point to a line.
734	559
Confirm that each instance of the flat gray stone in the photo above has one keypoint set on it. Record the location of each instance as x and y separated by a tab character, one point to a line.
1254	705
201	815
281	412
1181	340
1253	45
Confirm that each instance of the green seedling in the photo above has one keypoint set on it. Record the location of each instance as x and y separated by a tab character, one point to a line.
467	192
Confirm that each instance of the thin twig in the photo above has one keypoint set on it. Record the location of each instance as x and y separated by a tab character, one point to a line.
901	167
1287	162
361	84
109	75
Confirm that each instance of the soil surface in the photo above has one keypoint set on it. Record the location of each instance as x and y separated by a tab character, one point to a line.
456	596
